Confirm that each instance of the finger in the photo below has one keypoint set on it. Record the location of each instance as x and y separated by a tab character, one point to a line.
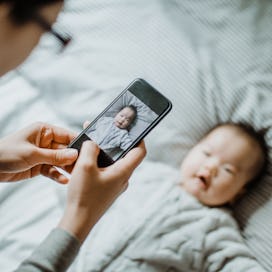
86	124
87	160
58	157
125	166
58	134
58	146
52	173
134	157
63	136
68	168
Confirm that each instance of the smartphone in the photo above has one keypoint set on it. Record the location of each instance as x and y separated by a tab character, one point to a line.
125	122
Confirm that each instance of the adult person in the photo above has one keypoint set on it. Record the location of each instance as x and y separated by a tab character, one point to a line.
40	146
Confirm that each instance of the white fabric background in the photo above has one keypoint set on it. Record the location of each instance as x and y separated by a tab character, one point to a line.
211	58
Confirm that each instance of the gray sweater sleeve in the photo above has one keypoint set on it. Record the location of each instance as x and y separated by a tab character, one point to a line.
56	253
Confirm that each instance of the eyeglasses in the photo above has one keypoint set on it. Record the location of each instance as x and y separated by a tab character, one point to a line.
64	40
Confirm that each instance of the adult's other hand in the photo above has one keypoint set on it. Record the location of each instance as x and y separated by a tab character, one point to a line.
35	150
92	190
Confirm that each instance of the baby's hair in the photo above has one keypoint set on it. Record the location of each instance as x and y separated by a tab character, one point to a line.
133	108
256	135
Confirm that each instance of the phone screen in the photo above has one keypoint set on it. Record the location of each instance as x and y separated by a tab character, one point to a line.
125	121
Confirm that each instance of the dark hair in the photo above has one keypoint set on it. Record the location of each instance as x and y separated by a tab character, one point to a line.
256	135
134	109
21	11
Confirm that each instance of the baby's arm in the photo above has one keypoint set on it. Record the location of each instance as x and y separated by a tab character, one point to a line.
226	249
125	141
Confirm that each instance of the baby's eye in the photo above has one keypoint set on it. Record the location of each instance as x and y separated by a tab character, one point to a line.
228	170
206	153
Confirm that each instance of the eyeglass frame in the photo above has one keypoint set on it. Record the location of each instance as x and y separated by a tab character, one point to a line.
64	40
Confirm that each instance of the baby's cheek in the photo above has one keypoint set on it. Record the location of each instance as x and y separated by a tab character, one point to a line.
225	190
188	168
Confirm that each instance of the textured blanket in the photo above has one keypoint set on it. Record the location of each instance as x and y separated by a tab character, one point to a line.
158	227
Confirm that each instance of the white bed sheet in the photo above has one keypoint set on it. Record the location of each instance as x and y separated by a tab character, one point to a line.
30	209
213	60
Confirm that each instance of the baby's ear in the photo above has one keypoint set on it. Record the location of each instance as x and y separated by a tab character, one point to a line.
238	196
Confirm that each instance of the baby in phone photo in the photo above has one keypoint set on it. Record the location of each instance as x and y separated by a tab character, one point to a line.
112	133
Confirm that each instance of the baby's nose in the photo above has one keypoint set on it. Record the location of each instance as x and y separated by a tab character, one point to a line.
212	167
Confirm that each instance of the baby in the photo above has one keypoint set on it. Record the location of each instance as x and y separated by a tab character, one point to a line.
111	134
220	167
178	220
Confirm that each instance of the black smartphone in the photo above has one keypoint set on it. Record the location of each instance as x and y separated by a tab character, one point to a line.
125	122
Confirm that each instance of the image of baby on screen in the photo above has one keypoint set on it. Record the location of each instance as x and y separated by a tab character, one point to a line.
112	133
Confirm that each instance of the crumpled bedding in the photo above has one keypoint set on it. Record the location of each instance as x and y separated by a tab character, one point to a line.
213	60
165	229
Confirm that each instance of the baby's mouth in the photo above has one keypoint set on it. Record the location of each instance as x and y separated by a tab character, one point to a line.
203	180
118	124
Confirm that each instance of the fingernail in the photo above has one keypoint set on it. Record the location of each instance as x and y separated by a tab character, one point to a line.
70	152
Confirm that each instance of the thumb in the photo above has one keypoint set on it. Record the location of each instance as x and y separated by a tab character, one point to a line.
57	157
86	165
88	157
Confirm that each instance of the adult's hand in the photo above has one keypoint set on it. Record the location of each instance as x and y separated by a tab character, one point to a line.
35	150
92	190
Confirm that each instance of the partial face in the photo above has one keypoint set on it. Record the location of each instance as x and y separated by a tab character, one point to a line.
124	118
17	42
216	170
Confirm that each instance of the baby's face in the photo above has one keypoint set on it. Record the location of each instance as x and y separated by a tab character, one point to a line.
124	118
216	170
